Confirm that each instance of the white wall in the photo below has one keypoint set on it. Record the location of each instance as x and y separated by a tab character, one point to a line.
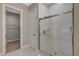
53	9
43	10
59	8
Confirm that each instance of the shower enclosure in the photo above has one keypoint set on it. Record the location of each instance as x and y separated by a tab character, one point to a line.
56	29
46	35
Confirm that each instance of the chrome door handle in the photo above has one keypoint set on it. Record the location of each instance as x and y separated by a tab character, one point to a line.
34	34
71	28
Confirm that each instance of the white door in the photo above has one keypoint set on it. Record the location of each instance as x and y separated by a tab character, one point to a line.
33	28
62	34
45	36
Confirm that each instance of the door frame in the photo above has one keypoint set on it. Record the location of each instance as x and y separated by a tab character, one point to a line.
4	6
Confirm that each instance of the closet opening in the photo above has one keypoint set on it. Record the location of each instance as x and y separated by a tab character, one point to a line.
12	31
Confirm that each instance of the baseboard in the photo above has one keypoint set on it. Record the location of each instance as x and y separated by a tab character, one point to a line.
12	40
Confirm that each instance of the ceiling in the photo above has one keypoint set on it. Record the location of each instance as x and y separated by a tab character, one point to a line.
47	4
27	4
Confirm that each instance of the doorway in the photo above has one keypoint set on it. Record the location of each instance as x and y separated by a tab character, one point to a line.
11	28
12	31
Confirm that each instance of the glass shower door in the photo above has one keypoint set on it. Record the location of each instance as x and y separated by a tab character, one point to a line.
46	36
62	34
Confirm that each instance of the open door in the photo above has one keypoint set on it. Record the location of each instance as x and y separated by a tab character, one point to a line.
33	30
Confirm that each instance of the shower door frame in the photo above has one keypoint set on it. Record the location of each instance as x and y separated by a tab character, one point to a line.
4	6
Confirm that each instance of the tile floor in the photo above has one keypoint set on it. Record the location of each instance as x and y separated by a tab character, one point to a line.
11	46
26	52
